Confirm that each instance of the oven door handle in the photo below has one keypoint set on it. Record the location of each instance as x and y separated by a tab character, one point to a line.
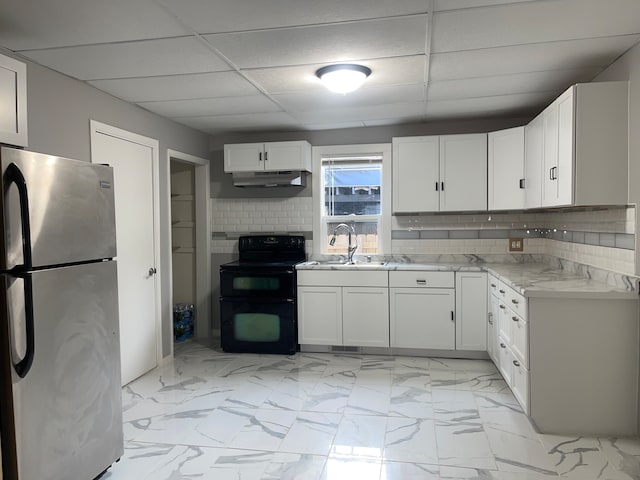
257	299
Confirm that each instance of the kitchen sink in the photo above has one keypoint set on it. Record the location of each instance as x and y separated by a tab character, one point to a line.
343	264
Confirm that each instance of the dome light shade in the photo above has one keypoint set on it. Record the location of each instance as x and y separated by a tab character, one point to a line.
343	78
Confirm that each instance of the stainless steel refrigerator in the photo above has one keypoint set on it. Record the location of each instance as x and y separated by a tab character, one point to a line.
60	411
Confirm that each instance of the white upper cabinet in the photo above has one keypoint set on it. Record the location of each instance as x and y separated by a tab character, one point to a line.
586	146
463	172
416	174
506	153
13	102
267	157
533	158
440	173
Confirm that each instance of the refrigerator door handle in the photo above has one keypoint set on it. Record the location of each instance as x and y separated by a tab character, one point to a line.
23	366
13	175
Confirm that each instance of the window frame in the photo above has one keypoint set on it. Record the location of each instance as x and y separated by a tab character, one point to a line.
382	149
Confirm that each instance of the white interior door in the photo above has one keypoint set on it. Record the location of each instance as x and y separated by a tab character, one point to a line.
133	165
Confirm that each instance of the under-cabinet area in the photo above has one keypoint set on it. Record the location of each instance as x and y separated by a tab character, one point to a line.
549	333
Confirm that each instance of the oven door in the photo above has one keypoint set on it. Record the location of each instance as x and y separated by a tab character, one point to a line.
258	326
271	283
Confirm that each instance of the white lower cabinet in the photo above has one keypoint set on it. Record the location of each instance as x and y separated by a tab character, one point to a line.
320	315
422	310
513	339
365	316
349	308
422	318
471	311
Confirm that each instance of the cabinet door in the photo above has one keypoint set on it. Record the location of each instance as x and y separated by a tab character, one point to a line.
422	318
566	142
471	311
492	329
463	172
13	102
365	316
320	315
416	177
506	169
550	158
287	156
533	161
243	157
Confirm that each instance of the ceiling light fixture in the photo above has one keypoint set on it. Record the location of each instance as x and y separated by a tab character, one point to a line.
343	78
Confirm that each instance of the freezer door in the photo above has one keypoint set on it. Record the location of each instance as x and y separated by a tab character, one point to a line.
67	408
57	211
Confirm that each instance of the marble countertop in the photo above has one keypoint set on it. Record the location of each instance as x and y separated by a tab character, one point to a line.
530	279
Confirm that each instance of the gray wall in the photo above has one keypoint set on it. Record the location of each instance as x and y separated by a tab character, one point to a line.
59	110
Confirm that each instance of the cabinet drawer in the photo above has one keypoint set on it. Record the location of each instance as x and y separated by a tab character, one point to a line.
504	322
502	291
516	302
338	278
520	384
506	360
493	285
520	339
421	279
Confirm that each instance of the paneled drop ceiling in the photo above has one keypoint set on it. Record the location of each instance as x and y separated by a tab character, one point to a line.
248	65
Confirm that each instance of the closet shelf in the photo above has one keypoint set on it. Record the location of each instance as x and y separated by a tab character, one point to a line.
180	224
178	197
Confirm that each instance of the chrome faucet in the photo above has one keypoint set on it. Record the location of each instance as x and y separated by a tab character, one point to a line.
352	248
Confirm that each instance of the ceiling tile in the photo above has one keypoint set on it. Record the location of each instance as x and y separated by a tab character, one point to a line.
253	121
385	71
205	16
442	5
324	44
592	52
177	87
533	22
212	106
333	126
318	99
34	24
556	80
131	59
353	114
507	105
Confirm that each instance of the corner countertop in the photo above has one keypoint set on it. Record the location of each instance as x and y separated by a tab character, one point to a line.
534	280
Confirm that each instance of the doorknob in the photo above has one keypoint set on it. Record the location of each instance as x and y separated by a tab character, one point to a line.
152	271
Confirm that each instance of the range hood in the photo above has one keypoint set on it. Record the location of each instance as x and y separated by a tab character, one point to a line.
286	178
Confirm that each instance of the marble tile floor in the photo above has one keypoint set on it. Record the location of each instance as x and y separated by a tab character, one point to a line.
211	415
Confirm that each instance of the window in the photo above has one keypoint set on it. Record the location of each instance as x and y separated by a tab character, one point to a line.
351	189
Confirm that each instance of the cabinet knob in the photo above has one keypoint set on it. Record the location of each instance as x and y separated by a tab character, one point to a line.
516	363
502	307
493	285
490	322
514	301
502	345
501	291
421	282
260	156
515	319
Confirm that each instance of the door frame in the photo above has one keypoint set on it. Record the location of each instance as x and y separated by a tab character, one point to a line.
202	240
97	128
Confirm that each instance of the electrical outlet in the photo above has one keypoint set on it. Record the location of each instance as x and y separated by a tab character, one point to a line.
516	245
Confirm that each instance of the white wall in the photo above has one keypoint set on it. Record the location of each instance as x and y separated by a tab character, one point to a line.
627	67
59	110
